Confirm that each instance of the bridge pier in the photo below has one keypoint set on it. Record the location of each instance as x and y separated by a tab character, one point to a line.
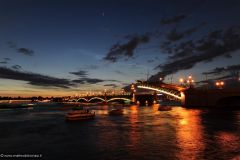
142	99
183	98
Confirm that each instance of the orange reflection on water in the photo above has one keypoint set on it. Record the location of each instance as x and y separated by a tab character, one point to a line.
155	108
102	110
134	135
133	109
189	134
183	122
228	142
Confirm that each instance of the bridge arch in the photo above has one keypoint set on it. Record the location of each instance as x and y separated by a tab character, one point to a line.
112	99
96	98
82	99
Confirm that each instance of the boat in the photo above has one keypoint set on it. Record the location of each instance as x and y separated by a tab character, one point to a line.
79	114
116	112
164	108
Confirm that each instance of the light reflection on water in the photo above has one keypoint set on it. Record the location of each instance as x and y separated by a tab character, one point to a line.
141	133
189	134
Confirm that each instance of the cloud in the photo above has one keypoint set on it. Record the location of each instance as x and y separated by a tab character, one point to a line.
22	50
215	71
175	35
111	85
7	59
215	44
26	51
150	60
183	49
80	73
91	66
173	20
127	49
34	78
168	45
174	41
85	79
232	70
17	67
233	67
112	80
3	62
88	80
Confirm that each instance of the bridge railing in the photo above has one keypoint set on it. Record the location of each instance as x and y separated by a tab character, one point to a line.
173	93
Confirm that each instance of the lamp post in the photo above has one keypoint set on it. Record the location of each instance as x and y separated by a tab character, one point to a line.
190	81
181	80
220	84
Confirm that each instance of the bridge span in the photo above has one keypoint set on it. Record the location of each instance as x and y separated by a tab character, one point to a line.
134	98
191	97
101	99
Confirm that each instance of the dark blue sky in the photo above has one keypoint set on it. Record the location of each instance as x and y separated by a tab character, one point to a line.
50	39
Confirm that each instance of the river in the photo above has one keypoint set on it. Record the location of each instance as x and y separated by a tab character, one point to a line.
141	133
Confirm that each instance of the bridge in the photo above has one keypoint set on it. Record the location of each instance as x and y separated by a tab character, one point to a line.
187	95
191	97
102	99
134	98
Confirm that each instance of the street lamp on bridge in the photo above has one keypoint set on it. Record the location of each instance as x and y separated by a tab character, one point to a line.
220	84
181	80
190	81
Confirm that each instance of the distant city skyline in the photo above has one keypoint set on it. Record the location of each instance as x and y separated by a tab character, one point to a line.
57	48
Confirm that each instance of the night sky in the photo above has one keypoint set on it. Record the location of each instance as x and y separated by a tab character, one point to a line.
52	48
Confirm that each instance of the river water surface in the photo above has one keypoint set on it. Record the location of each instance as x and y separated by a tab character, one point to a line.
141	133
